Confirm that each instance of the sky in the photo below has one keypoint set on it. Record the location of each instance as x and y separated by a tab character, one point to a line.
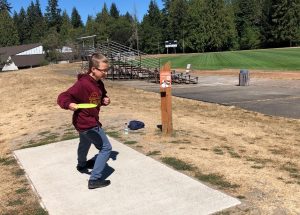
91	7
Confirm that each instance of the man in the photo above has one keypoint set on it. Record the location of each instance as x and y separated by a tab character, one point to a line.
89	88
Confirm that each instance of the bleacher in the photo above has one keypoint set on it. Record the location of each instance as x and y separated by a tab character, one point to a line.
127	63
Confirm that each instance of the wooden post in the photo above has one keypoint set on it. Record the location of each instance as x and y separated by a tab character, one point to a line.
166	99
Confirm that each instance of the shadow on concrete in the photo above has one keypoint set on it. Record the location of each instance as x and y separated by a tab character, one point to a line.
107	169
107	172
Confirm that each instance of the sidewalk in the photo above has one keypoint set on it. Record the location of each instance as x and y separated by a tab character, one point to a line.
139	184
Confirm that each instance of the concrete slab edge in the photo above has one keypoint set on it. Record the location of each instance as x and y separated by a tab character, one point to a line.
31	183
161	163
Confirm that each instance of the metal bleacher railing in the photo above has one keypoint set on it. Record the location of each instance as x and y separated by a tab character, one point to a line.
129	63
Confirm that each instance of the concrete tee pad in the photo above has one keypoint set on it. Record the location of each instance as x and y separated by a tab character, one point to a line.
139	184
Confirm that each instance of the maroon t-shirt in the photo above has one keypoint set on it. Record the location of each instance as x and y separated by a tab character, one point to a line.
85	90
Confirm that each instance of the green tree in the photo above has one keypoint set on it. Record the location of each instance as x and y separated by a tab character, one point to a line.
9	33
250	38
177	21
40	23
134	40
52	43
53	15
164	19
151	30
36	23
167	4
249	16
195	37
91	26
103	21
128	17
66	28
266	21
120	31
76	19
22	25
285	23
114	12
4	5
219	26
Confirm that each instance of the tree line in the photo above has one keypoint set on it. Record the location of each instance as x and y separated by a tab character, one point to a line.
197	25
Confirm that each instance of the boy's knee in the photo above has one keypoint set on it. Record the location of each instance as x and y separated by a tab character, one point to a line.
107	147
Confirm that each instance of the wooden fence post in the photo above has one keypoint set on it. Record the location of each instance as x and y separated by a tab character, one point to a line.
166	99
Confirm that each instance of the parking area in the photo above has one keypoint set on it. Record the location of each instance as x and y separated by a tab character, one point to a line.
267	96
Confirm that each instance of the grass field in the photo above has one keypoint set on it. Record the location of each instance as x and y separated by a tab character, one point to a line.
264	59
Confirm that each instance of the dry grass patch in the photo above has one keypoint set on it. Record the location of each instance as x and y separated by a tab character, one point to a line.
246	139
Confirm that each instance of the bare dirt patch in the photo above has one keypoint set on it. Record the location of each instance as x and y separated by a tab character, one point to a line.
258	155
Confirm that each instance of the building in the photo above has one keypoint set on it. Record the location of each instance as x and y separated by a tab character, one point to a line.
23	56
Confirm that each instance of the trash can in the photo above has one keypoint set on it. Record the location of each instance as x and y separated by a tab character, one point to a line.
244	77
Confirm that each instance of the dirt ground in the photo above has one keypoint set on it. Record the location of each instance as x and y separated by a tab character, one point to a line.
255	157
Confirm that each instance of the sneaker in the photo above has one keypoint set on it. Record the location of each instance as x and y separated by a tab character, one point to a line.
82	169
98	183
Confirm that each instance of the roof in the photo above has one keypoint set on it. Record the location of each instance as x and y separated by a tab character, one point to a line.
13	50
28	60
21	60
87	37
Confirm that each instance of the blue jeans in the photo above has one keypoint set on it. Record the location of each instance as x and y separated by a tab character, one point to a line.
97	137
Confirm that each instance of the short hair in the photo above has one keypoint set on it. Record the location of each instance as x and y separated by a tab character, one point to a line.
96	59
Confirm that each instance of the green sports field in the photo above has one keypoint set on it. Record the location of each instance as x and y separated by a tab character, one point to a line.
263	59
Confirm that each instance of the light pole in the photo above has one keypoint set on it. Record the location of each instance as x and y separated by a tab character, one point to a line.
182	41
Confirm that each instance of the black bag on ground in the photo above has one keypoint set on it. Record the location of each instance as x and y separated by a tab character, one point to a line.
135	125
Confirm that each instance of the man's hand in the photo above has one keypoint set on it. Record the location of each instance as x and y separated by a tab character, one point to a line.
73	106
106	101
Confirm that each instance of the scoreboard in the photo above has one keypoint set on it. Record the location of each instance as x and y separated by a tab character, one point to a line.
171	43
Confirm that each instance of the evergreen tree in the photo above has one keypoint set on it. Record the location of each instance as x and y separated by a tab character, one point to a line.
22	25
165	19
9	33
16	16
51	43
177	21
36	23
120	31
40	23
4	5
103	24
66	28
103	16
214	22
128	17
249	18
90	26
166	8
151	30
76	19
53	15
31	19
195	37
114	12
134	39
266	21
285	23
